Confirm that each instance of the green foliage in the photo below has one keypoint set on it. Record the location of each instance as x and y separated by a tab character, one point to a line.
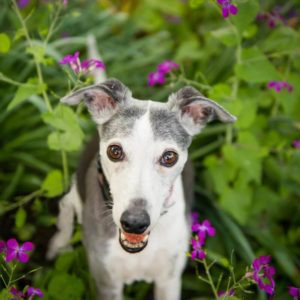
68	135
255	67
247	174
53	184
24	91
65	286
4	43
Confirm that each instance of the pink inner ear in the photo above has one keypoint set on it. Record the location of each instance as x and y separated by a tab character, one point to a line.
198	112
99	100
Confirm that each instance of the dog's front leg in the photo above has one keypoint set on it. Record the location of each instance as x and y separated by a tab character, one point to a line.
169	289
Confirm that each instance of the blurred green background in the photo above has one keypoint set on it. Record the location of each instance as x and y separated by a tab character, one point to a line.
248	174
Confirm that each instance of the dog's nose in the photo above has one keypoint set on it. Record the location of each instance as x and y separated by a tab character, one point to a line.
135	221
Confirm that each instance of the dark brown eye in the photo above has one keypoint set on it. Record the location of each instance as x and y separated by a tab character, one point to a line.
115	153
168	159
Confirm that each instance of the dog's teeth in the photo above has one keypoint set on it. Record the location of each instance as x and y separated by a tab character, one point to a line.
145	239
122	236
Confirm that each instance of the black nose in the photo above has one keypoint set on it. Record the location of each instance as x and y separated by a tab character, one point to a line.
135	221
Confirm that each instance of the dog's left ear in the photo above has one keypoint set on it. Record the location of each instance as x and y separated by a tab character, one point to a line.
102	100
195	111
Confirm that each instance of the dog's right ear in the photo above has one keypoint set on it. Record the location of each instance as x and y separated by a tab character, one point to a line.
102	100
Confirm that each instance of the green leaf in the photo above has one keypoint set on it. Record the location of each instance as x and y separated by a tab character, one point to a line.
255	67
220	92
247	114
226	35
38	52
282	38
65	286
53	184
19	33
64	262
245	158
188	50
5	295
21	216
247	13
26	90
236	200
4	43
68	135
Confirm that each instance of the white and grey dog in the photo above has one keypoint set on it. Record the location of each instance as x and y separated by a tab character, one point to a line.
135	187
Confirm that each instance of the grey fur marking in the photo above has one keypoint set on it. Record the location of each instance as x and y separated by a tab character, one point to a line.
166	126
122	122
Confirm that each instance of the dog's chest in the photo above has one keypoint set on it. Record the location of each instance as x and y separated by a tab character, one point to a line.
164	253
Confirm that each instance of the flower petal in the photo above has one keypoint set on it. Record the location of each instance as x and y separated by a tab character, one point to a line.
23	257
13	244
27	246
2	246
201	254
225	12
233	9
10	254
196	227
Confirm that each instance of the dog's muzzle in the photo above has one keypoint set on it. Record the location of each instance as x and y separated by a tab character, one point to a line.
132	242
133	236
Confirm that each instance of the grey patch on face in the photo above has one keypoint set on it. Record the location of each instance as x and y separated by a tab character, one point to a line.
166	126
122	122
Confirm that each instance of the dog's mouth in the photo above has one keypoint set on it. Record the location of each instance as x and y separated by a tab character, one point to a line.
132	242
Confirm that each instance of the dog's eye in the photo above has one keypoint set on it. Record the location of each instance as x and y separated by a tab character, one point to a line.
115	153
168	159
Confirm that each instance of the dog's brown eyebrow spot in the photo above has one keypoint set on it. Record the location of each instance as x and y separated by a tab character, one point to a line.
166	126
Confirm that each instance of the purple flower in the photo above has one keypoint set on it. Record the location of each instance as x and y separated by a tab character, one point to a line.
227	8
14	251
2	247
295	292
296	144
226	293
279	85
84	66
204	228
167	66
31	292
73	61
23	3
156	78
89	64
197	251
272	18
195	217
17	294
263	274
65	2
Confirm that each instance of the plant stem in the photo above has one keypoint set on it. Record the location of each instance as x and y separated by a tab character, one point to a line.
24	275
23	201
211	282
11	275
37	64
65	169
53	24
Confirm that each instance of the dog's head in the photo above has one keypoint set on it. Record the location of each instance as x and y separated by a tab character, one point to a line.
143	149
